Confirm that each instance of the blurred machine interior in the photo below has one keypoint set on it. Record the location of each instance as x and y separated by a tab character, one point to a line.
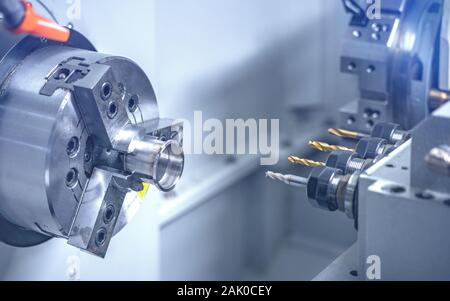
378	83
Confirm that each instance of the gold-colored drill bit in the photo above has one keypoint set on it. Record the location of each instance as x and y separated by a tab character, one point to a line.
305	162
347	134
325	147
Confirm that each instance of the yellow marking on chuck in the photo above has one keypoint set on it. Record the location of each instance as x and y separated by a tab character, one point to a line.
143	192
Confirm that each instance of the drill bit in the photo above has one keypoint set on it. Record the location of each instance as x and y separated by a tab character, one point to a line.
325	147
305	162
347	134
287	179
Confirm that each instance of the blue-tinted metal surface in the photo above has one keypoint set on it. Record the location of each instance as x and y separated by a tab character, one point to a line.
21	48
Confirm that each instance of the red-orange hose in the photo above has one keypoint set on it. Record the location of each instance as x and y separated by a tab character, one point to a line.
39	26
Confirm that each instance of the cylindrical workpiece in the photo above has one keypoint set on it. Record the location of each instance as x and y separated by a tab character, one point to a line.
158	162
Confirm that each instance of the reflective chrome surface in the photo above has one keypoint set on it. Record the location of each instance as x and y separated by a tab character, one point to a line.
69	119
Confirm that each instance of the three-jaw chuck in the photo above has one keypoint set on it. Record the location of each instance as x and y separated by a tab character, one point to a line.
80	137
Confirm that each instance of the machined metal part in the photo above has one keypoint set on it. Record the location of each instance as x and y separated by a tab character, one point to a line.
165	167
80	131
